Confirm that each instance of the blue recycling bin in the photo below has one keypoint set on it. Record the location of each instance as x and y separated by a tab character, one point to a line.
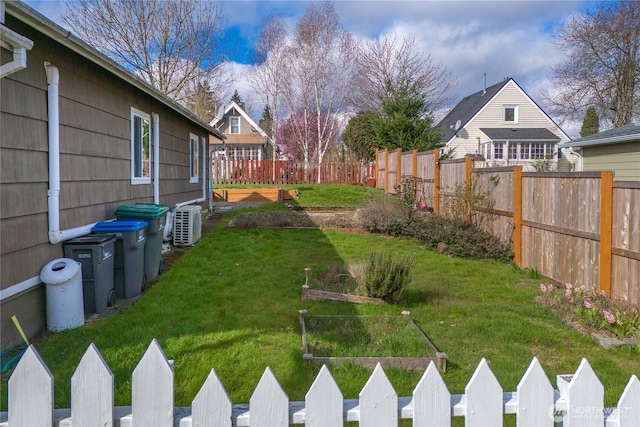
128	264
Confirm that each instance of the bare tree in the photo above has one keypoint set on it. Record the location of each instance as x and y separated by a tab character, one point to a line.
602	64
389	64
173	44
321	63
270	72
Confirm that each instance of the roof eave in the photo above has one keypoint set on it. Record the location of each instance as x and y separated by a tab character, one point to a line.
604	141
77	45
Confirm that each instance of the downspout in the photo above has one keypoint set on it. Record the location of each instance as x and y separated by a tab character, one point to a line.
580	158
156	158
53	194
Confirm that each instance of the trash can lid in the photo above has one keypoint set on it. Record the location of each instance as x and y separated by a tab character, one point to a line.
119	225
141	210
59	271
90	239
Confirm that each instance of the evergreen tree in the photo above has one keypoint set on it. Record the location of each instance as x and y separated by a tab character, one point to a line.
266	121
201	101
590	124
359	136
238	100
404	123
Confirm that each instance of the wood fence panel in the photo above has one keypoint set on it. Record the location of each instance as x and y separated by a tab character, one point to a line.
211	407
152	389
92	391
431	400
406	164
323	402
483	398
378	401
393	172
535	393
269	404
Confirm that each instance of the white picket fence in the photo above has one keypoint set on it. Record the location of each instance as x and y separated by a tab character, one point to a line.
578	400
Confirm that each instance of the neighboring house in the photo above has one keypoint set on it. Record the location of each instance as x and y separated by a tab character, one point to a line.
505	126
616	150
80	135
244	139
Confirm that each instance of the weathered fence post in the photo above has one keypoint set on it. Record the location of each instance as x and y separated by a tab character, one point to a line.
517	214
386	170
436	181
467	186
399	169
606	207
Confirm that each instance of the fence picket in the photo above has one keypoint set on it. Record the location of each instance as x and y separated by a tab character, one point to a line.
628	409
378	401
30	392
585	399
431	400
323	401
211	407
535	398
152	389
92	391
269	405
483	398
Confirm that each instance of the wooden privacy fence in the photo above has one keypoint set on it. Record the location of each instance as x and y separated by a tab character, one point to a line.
573	227
578	399
230	171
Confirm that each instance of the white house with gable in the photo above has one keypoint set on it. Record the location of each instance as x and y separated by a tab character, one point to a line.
506	127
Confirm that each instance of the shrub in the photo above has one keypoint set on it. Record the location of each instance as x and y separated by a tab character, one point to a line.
382	215
386	276
460	238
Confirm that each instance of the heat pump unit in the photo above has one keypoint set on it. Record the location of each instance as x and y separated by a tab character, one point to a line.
187	225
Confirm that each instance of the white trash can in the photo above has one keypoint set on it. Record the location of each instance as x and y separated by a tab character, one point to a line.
65	305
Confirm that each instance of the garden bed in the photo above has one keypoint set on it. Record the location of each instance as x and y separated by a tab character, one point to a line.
392	341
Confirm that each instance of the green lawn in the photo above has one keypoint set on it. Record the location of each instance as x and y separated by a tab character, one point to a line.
231	303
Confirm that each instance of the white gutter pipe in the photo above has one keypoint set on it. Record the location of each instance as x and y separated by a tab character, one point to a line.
580	165
53	194
156	159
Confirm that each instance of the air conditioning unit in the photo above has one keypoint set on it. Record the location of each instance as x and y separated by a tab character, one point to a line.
187	225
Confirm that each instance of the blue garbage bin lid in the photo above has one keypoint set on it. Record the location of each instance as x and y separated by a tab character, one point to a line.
119	225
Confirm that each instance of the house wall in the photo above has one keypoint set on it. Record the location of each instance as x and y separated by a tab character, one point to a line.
529	116
95	108
623	159
245	126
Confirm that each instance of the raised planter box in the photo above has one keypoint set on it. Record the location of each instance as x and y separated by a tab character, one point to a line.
253	194
418	364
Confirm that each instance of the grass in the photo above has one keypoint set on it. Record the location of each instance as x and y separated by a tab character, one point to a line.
364	336
231	303
324	194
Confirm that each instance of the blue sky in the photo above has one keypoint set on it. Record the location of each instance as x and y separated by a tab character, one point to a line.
499	38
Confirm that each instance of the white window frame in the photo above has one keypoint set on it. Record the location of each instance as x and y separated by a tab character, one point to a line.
194	159
231	125
143	178
504	113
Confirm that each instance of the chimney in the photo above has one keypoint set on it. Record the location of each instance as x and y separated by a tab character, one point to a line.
484	83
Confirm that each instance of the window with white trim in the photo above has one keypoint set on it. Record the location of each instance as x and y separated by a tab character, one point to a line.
140	147
510	113
194	159
234	124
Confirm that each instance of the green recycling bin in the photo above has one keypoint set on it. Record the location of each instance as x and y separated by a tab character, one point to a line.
155	216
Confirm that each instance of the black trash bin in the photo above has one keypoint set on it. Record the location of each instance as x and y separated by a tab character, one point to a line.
155	216
96	253
128	274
